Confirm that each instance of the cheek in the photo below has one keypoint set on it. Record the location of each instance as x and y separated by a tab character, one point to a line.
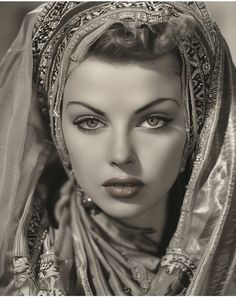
83	151
161	156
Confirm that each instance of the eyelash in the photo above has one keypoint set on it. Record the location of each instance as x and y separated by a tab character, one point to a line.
79	121
161	117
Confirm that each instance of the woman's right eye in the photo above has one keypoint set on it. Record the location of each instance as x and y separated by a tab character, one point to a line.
89	124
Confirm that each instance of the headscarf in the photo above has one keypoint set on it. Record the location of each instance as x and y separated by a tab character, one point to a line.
33	75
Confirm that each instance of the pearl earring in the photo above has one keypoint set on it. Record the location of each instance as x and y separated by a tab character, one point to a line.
87	202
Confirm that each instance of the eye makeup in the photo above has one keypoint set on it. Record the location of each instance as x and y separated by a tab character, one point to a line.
153	123
89	124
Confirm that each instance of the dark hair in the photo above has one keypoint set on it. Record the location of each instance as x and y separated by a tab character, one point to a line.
121	44
127	43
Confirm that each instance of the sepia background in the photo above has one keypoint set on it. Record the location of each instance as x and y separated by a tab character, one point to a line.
12	14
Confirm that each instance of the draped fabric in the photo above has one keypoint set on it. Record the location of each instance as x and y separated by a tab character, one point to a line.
126	254
23	147
81	255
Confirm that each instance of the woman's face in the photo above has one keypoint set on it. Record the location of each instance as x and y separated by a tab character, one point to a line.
125	133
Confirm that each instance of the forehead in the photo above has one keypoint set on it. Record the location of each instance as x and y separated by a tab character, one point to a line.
99	82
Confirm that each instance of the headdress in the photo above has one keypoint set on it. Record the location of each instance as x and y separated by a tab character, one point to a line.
204	242
52	55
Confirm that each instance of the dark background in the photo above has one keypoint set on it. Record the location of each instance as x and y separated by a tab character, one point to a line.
12	14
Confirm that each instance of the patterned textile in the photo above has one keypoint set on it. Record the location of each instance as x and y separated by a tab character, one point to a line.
81	255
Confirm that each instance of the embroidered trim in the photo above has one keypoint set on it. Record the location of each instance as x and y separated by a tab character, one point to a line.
172	261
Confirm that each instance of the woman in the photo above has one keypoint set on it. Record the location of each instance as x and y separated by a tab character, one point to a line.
140	101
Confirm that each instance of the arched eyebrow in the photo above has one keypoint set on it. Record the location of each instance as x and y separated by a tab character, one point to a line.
141	109
87	106
156	101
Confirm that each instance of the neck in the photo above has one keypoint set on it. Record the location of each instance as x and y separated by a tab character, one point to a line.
155	218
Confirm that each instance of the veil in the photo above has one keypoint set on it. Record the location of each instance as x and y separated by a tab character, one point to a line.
23	149
206	229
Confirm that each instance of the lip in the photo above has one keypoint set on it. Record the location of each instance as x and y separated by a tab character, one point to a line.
123	187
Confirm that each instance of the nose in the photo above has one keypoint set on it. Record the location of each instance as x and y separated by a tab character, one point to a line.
121	151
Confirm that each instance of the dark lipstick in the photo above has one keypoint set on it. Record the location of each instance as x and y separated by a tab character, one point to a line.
123	187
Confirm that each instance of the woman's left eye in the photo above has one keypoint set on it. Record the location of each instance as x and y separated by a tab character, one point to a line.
154	122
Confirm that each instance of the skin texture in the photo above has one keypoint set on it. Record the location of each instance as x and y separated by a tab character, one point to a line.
123	143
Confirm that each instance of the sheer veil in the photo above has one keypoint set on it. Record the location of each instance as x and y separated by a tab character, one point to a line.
23	149
206	229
